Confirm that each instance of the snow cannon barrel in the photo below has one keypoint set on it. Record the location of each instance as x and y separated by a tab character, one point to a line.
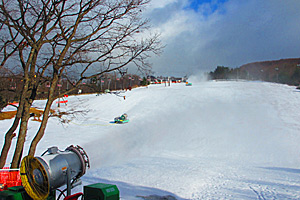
55	168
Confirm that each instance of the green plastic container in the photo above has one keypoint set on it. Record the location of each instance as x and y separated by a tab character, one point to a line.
10	195
14	193
101	191
19	193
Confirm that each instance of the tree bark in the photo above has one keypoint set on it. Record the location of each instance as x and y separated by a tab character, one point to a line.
22	135
7	143
29	91
39	135
10	133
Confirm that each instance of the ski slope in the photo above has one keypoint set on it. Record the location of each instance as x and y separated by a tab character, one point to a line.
212	140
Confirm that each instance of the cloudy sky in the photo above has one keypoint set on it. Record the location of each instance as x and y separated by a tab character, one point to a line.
202	34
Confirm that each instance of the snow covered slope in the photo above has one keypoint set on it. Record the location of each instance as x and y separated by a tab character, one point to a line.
213	140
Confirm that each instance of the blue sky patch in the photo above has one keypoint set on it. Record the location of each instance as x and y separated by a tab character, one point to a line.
213	4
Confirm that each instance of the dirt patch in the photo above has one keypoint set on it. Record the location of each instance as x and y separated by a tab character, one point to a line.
7	115
34	112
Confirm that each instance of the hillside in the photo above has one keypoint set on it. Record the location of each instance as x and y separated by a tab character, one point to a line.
283	71
286	71
212	140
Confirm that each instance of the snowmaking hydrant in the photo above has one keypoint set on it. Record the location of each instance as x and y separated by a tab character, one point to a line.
42	176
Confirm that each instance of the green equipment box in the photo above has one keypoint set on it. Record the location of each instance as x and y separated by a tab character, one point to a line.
101	191
19	193
13	193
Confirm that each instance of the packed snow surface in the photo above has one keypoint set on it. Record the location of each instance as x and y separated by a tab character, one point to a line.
211	140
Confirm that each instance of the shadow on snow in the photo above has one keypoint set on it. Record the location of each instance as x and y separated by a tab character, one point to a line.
131	191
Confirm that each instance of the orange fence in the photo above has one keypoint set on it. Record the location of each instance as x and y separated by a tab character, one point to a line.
9	178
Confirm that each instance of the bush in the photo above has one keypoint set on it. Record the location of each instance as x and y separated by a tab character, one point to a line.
2	103
144	82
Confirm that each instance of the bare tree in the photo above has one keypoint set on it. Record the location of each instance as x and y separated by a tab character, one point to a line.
13	46
57	37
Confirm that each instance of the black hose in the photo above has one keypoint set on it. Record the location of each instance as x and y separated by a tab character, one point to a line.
44	152
62	192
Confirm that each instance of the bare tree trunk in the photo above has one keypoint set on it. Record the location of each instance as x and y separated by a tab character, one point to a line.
22	135
44	122
29	91
28	95
9	136
7	143
41	130
10	133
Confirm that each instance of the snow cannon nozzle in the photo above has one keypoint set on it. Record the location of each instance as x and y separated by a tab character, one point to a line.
82	155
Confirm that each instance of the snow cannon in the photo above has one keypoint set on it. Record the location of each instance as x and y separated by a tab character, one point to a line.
42	175
122	119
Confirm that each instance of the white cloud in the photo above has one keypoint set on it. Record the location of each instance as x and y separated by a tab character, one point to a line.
160	3
177	24
237	32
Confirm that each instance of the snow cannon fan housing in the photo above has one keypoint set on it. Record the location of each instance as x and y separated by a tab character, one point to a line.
53	169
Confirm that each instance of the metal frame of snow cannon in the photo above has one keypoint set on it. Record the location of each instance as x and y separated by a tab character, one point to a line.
55	168
42	176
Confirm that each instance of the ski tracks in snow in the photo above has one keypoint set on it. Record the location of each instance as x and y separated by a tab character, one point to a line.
263	194
214	140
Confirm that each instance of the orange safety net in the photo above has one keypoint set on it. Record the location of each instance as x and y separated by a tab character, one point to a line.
9	178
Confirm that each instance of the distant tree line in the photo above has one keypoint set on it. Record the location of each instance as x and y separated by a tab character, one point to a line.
284	75
10	86
222	72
